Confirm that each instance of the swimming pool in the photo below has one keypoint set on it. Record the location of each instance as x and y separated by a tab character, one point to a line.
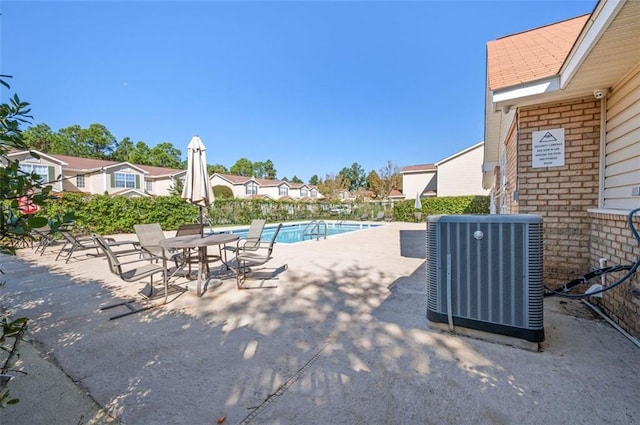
298	232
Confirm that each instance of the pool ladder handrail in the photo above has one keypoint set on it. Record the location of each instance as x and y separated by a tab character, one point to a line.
314	230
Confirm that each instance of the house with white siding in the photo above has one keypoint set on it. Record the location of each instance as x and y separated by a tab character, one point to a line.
457	175
461	173
97	176
250	187
562	140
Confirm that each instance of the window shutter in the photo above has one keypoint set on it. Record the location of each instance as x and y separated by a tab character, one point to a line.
137	181
52	174
113	180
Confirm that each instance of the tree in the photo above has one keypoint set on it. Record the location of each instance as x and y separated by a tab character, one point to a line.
332	186
164	155
262	170
354	175
222	192
296	179
314	180
390	179
123	150
140	154
265	170
216	168
93	142
41	138
242	167
376	185
176	187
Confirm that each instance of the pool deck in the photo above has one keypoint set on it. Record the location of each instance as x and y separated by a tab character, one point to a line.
343	339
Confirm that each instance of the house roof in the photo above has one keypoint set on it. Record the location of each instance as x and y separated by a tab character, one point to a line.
232	178
161	171
533	54
294	185
238	180
601	54
396	194
90	165
417	168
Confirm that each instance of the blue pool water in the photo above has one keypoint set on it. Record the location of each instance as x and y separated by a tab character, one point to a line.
292	233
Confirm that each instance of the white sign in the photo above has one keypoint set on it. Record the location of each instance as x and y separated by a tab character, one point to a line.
548	148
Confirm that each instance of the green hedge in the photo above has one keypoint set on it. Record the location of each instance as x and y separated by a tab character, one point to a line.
405	210
106	214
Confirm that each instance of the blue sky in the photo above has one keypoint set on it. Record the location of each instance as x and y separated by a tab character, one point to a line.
311	86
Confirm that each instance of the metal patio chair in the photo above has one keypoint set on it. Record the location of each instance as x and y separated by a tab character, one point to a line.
147	267
257	255
251	242
149	237
75	243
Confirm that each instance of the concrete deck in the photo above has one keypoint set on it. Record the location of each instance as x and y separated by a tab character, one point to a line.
343	339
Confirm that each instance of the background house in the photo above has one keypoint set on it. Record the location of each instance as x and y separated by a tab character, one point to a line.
457	175
419	179
562	139
248	187
98	176
461	173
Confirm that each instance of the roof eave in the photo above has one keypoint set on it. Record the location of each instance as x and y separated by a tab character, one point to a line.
504	99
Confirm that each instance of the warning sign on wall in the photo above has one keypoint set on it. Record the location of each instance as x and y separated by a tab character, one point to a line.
548	148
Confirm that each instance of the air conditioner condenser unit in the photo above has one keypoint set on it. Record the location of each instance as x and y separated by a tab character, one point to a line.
485	273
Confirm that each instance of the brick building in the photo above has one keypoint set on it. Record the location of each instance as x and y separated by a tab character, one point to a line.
562	139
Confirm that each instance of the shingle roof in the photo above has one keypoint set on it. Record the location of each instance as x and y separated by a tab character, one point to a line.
233	179
160	171
79	164
396	194
531	55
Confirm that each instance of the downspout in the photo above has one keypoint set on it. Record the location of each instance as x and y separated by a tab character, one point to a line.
603	146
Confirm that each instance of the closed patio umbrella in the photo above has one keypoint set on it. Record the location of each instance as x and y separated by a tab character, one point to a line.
418	204
418	207
197	186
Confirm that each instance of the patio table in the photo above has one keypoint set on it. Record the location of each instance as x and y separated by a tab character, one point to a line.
201	242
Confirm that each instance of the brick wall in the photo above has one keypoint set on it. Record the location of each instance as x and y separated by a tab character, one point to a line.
511	146
611	238
562	195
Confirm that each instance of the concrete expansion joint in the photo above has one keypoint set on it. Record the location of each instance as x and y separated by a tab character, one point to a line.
287	384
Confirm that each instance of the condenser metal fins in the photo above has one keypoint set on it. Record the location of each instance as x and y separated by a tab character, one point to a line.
485	272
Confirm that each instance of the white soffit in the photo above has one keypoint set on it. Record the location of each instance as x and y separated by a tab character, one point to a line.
527	89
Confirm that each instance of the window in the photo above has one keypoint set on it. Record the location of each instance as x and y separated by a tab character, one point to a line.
148	185
251	188
314	193
80	181
125	180
283	190
304	192
41	170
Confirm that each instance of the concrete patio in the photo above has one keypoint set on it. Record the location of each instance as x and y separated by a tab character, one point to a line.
343	339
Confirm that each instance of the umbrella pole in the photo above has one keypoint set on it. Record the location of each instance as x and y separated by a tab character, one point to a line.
201	222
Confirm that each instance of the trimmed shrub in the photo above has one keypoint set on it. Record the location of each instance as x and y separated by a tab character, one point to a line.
405	210
105	214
